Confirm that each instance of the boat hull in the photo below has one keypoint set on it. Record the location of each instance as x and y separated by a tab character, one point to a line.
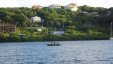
53	44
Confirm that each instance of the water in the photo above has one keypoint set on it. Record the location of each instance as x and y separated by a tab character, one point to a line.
70	52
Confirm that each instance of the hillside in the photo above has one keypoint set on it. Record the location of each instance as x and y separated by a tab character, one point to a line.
85	23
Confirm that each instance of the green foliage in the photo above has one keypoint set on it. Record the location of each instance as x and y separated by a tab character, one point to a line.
77	25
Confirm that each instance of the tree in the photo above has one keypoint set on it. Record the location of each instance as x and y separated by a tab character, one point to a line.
20	19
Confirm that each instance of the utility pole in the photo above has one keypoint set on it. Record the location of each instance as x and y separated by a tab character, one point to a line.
111	30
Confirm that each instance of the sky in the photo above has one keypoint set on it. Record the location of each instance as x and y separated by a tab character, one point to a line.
29	3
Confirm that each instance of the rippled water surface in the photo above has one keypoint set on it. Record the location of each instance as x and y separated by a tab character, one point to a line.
70	52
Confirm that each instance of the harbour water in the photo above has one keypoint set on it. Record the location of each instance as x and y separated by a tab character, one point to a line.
70	52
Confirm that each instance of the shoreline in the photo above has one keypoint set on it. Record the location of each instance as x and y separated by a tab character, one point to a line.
49	41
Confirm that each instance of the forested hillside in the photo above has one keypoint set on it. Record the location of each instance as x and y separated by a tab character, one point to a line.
86	23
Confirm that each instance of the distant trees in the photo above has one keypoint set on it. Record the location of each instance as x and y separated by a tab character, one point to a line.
83	22
57	18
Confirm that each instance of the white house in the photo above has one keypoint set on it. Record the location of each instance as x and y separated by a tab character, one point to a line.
39	29
58	32
36	19
72	7
55	6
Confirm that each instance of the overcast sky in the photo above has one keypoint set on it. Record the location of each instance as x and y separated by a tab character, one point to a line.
29	3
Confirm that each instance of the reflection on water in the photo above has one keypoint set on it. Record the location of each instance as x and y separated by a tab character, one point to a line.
70	52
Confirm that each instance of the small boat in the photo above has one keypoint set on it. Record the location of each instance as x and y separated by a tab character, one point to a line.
54	44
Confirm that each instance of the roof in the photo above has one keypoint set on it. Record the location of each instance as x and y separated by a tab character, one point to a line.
37	7
56	5
11	24
72	4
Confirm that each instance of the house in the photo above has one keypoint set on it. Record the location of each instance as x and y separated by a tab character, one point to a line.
7	27
94	14
37	7
72	7
58	32
84	12
55	6
10	28
35	19
90	13
37	29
